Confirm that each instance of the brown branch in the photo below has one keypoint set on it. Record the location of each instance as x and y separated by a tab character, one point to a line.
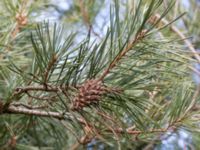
11	109
138	38
19	110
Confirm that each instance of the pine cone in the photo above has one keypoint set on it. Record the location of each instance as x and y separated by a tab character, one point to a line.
89	93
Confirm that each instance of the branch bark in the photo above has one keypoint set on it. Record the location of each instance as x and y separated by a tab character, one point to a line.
19	110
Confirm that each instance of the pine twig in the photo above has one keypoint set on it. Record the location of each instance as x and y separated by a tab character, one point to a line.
49	67
138	38
19	110
180	34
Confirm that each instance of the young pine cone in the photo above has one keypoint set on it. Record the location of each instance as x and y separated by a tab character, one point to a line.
89	93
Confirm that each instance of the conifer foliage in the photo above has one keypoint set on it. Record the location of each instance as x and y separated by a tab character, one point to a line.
67	83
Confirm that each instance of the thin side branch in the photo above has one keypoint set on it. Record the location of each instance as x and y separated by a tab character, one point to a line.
49	67
19	110
138	38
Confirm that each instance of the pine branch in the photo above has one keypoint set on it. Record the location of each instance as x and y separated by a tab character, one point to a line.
20	90
196	55
179	33
77	74
49	67
17	109
129	46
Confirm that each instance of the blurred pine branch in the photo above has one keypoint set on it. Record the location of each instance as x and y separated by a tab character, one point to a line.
123	82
